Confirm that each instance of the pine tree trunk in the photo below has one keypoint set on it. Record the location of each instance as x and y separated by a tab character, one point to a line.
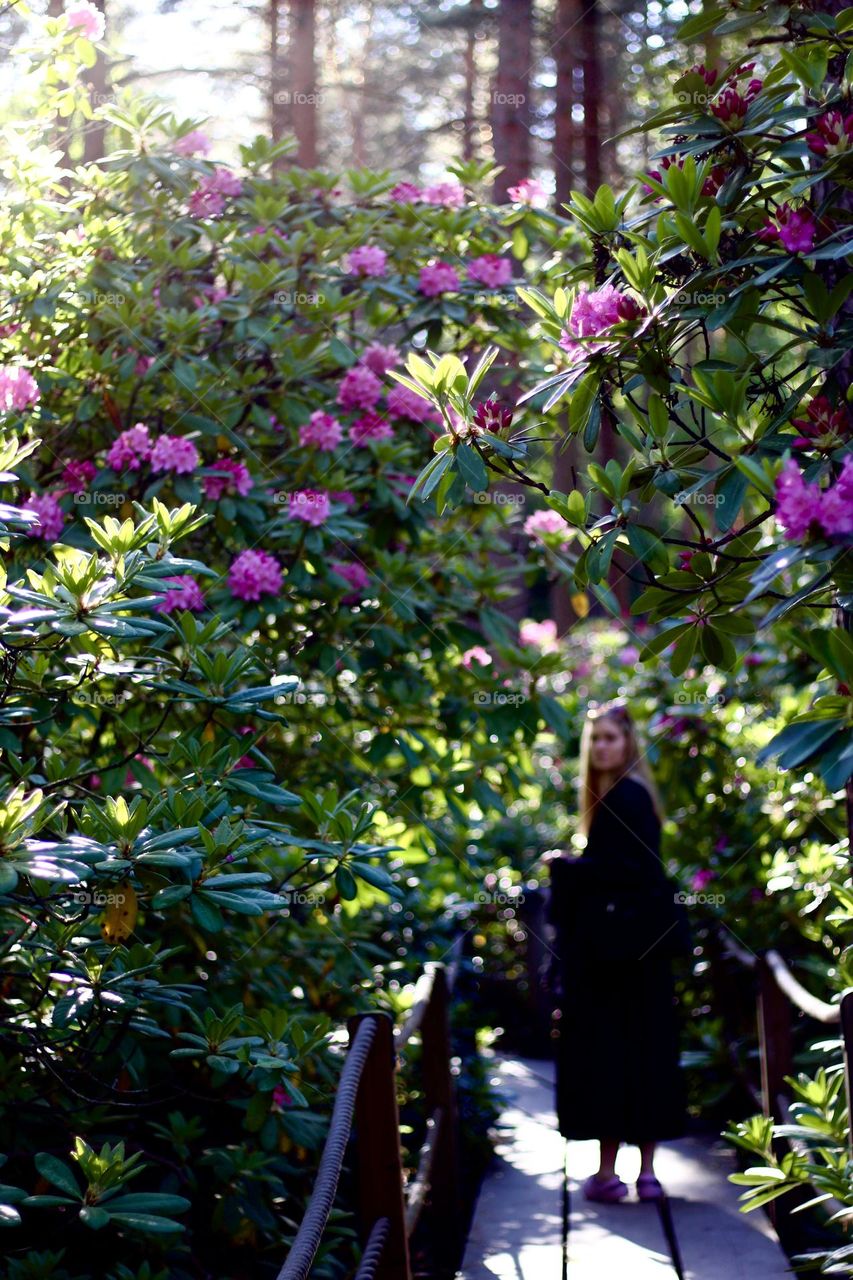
511	95
303	80
278	104
97	81
565	40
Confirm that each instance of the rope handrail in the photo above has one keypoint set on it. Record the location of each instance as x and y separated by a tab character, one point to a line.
307	1242
423	992
373	1249
801	998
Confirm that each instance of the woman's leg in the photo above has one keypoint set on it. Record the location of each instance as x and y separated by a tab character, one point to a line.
607	1161
647	1157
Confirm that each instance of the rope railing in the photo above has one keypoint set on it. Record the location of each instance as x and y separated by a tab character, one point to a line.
388	1208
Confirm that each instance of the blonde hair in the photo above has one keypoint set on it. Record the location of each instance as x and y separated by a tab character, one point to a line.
634	765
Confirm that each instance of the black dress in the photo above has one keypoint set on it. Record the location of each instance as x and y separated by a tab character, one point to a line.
617	1055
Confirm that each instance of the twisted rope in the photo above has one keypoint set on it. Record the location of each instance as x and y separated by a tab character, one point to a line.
307	1242
373	1249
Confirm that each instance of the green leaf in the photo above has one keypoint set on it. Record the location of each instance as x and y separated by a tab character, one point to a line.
94	1217
57	1174
472	468
346	885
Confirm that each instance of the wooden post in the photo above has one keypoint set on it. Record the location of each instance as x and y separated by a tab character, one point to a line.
774	1035
379	1170
439	1092
847	1043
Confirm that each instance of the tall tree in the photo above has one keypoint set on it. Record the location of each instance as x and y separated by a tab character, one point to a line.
511	94
303	80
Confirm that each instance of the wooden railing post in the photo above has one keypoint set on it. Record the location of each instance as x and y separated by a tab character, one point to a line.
379	1170
847	1045
774	1038
439	1096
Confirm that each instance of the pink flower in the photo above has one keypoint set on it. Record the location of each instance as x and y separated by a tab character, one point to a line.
832	135
370	427
406	193
593	313
184	593
343	496
438	277
131	449
359	389
823	427
195	143
629	655
210	296
796	228
82	14
280	1098
836	504
254	574
310	505
367	260
50	514
490	270
208	199
798	503
77	476
490	415
731	108
18	388
402	402
174	453
321	431
235	478
449	194
476	654
702	878
379	359
540	635
353	573
143	364
529	191
546	522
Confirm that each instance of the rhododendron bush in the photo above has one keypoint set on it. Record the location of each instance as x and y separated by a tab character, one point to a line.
241	729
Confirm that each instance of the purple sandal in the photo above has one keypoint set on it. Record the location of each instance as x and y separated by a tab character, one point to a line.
648	1187
607	1192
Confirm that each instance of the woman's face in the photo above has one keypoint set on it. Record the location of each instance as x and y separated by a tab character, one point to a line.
608	743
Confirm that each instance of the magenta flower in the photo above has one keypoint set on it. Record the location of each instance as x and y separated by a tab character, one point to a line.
702	878
803	507
343	496
379	359
529	191
476	654
795	228
406	193
143	364
436	278
544	522
310	505
367	260
823	427
50	514
131	449
208	199
18	388
372	426
490	415
832	134
593	313
449	194
235	477
538	635
490	270
321	431
402	402
353	573
359	389
836	507
82	14
254	574
174	453
184	593
195	143
77	476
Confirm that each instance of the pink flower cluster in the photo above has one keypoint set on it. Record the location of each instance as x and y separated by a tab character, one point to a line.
310	505
802	507
50	514
795	228
449	194
321	431
490	415
593	313
732	105
175	454
83	14
539	635
367	260
353	573
824	428
183	593
529	191
18	388
359	389
379	359
436	278
476	654
832	134
490	270
77	476
234	477
195	143
167	453
402	402
372	426
254	574
546	522
208	199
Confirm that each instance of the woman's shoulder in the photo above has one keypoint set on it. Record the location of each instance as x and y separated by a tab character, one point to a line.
634	790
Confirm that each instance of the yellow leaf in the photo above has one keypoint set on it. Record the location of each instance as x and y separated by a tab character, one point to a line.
119	919
580	603
208	733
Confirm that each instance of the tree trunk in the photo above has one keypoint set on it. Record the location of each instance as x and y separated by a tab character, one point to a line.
97	81
303	82
592	86
511	95
470	86
279	107
564	154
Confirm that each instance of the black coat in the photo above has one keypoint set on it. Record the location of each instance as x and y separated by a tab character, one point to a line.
617	1054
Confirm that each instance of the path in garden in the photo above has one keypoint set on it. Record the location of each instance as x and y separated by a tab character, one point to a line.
517	1229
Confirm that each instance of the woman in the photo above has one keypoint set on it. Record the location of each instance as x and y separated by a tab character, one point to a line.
618	1078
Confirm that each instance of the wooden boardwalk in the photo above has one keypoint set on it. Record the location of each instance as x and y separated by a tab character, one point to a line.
517	1233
